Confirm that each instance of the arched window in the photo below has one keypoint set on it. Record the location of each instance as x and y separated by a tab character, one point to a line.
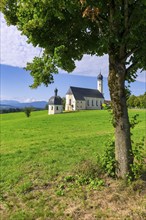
51	107
57	108
92	102
96	102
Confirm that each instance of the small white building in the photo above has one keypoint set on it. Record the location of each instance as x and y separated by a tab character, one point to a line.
55	104
83	98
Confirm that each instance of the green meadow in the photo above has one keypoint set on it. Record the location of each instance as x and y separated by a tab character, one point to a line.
38	150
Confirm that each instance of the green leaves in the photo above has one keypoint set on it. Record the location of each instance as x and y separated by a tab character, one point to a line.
9	8
42	70
108	161
58	26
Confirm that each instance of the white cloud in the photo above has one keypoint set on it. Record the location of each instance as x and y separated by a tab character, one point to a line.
92	65
16	52
14	49
28	100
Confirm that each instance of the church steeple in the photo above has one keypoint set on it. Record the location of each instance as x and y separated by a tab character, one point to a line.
56	91
100	83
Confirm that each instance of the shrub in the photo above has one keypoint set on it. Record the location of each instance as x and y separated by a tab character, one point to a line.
107	159
138	163
27	111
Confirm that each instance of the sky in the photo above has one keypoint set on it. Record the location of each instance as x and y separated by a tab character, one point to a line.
15	81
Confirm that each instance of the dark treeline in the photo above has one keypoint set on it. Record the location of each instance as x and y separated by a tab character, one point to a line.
10	110
137	101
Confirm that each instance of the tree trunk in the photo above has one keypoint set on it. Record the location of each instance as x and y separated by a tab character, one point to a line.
116	82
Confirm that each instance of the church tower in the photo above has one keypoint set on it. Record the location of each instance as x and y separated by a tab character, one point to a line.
100	83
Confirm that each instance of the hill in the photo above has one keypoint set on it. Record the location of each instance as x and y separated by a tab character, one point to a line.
46	162
7	104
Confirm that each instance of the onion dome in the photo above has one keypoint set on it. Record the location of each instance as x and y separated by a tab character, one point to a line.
55	100
100	77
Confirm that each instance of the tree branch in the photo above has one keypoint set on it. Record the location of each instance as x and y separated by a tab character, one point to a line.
131	67
126	14
111	16
101	18
131	12
130	53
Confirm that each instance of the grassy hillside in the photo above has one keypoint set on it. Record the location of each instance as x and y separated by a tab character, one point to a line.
39	149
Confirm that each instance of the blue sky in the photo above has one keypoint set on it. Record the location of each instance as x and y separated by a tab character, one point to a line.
15	81
15	84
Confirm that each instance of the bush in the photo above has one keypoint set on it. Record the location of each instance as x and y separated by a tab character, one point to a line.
27	111
106	107
138	163
107	160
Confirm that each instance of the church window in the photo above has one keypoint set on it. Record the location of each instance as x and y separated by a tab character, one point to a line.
92	103
51	107
96	103
56	107
69	101
88	102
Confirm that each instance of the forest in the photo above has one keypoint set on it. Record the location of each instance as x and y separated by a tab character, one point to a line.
137	101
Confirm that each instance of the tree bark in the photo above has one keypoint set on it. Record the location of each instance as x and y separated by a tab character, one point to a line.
123	149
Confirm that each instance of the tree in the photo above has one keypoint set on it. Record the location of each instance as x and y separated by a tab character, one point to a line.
131	101
137	101
67	30
27	111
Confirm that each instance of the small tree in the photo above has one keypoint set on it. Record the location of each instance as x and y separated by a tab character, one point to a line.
27	111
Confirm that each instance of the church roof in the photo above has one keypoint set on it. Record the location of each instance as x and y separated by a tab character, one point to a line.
81	93
55	100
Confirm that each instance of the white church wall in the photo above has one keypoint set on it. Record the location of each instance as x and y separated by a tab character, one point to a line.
50	109
70	103
93	103
89	103
55	109
80	105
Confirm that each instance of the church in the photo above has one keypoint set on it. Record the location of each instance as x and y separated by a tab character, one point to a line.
82	98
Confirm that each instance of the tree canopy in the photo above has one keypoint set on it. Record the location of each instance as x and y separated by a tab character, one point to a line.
67	30
137	101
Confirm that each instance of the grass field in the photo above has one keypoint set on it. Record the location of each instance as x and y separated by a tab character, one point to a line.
37	152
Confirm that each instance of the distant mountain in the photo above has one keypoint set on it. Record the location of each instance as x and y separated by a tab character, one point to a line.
7	104
5	107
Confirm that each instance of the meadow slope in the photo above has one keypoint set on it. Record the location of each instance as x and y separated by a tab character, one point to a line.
37	152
